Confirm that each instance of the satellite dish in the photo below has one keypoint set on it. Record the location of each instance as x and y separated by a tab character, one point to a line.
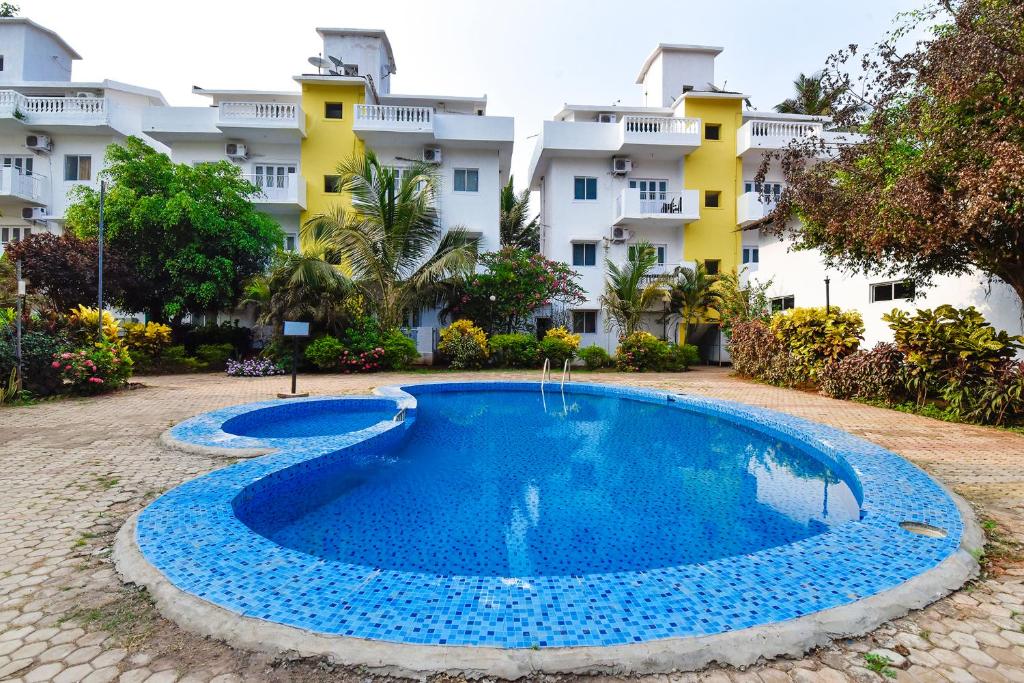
319	62
332	72
337	62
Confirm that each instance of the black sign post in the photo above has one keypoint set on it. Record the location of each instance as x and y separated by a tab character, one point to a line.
295	329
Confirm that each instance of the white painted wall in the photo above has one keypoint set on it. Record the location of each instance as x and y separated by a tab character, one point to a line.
31	55
673	69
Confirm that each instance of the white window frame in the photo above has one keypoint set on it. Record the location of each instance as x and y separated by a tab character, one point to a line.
754	253
661	250
293	238
892	291
276	173
584	244
782	302
586	179
466	174
585	312
14	233
19	162
78	168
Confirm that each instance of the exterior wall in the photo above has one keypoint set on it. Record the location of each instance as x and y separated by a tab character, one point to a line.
327	141
714	166
12	47
671	70
802	275
45	58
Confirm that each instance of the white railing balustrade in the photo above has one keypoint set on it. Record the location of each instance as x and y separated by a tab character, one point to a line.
784	129
259	111
275	188
635	203
14	103
661	124
16	183
394	116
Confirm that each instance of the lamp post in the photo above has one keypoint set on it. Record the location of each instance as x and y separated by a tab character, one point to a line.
492	299
17	322
99	260
827	306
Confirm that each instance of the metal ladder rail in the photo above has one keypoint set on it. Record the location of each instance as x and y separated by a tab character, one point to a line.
545	373
566	370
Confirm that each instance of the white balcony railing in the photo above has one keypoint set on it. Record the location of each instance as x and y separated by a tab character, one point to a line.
661	124
634	204
16	184
753	206
260	112
37	109
666	270
767	134
392	117
278	189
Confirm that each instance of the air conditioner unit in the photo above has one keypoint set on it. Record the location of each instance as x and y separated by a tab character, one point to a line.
620	235
39	143
350	69
34	213
85	93
432	155
606	118
236	150
621	165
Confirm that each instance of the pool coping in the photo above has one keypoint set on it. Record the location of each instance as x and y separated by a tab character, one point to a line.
739	647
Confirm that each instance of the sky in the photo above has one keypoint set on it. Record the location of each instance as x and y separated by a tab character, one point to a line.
528	56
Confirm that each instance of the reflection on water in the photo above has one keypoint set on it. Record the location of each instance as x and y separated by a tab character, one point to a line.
516	484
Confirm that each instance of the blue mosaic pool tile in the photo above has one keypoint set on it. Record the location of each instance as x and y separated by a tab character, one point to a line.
195	536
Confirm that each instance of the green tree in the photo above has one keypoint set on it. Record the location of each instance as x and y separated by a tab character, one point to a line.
391	240
693	294
517	229
742	301
190	233
631	290
936	184
812	96
8	10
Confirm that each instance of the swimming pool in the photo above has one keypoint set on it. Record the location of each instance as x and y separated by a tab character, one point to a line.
492	515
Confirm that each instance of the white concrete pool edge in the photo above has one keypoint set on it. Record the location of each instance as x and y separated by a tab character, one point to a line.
738	648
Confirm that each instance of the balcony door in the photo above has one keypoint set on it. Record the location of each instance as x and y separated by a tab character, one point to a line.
22	165
272	176
653	193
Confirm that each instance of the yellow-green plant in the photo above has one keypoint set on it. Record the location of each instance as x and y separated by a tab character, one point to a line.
559	345
816	338
564	335
12	388
85	321
149	338
464	344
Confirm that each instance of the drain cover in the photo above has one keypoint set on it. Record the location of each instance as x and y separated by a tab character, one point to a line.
923	529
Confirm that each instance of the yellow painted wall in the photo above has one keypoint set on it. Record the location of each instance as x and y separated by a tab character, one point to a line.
327	141
715	166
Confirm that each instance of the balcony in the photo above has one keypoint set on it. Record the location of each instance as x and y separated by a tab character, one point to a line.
269	121
17	187
52	112
753	206
638	133
374	123
279	193
768	135
656	209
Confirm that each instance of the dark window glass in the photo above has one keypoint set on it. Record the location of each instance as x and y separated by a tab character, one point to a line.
334	110
711	199
585	188
584	254
882	292
903	290
332	183
584	322
711	266
712	131
783	303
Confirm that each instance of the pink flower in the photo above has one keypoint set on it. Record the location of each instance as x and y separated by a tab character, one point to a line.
55	364
67	367
96	380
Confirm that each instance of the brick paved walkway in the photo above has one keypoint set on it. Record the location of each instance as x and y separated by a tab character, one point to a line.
72	471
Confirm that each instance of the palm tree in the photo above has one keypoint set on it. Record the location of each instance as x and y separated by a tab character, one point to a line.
812	97
517	230
693	295
631	290
390	241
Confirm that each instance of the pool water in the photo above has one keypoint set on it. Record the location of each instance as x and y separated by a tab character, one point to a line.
510	484
310	418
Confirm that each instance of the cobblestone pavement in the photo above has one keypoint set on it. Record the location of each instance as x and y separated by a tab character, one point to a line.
72	471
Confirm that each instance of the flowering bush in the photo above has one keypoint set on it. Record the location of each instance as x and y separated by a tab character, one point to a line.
520	282
640	352
84	321
102	368
560	345
253	367
464	344
399	351
365	361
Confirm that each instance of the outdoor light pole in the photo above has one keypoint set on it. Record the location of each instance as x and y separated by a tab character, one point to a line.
492	299
99	259
17	321
827	312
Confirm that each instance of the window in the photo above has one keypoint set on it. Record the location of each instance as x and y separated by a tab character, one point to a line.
783	303
289	241
584	322
13	234
712	131
712	266
890	291
271	175
332	183
411	318
585	188
584	254
334	110
712	199
1	62
77	167
659	249
750	255
770	189
21	165
467	180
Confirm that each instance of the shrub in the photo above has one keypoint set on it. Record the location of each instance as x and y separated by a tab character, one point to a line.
215	356
103	367
464	344
949	352
176	359
1000	398
595	357
37	352
194	336
84	321
640	352
399	351
872	375
363	334
149	338
679	357
253	367
519	350
325	352
758	353
560	345
362	361
815	338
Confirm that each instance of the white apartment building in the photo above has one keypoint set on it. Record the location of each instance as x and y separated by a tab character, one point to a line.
54	131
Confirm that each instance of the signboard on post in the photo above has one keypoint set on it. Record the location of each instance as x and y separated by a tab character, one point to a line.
295	329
